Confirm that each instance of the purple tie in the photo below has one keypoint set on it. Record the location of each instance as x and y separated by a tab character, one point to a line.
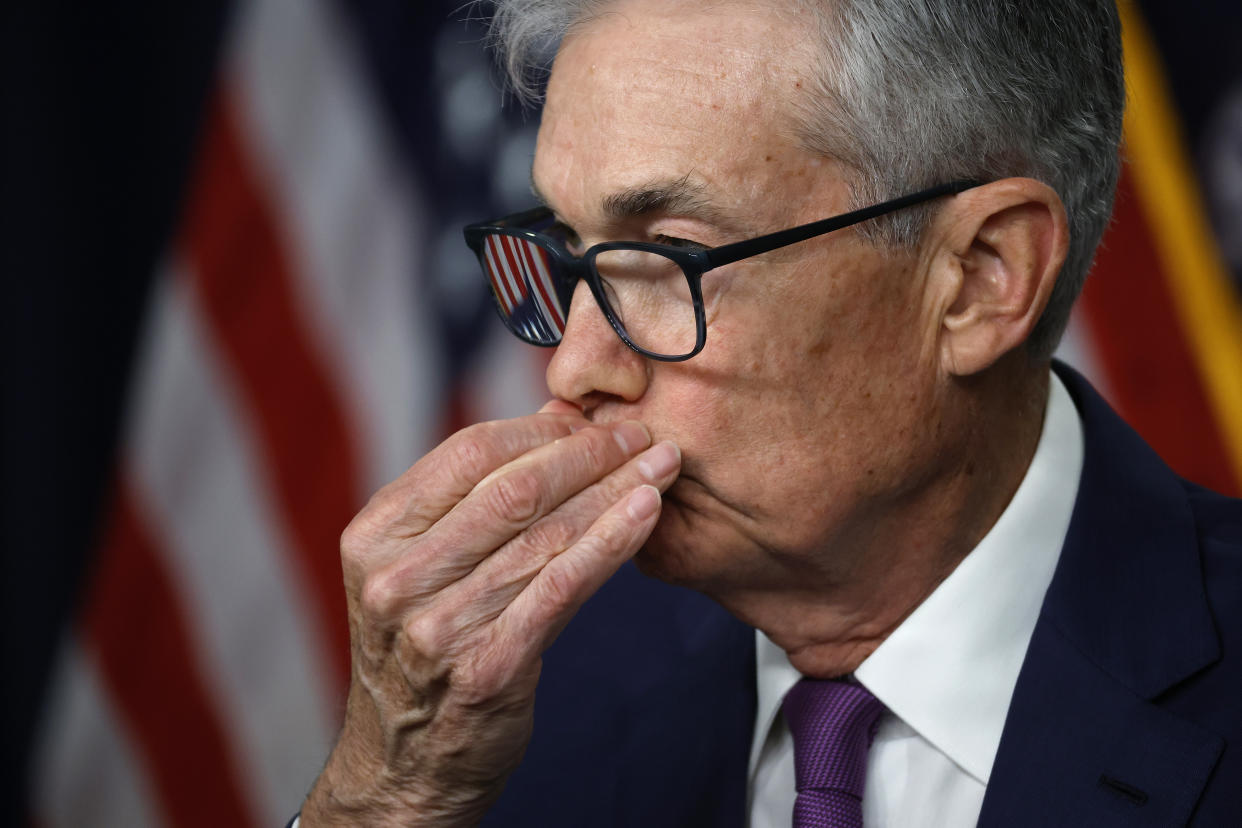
833	723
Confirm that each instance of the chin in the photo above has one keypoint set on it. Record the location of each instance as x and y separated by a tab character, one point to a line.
665	563
675	552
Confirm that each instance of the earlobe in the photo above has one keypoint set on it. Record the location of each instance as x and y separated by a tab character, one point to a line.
1006	241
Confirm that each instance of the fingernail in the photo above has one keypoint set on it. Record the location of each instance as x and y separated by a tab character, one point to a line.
643	502
658	461
631	435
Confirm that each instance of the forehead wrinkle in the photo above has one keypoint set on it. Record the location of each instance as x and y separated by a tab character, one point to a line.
629	155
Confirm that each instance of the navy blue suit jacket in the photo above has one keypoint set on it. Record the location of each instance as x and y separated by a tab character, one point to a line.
1127	711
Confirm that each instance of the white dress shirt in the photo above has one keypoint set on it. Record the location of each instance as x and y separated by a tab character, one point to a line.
947	673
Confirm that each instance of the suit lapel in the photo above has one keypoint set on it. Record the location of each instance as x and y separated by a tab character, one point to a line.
1125	619
1081	749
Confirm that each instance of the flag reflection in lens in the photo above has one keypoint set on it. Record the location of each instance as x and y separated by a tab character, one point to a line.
528	289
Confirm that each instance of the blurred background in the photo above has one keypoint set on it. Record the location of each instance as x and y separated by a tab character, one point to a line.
237	302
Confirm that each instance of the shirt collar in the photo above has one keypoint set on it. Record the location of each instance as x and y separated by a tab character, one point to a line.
949	669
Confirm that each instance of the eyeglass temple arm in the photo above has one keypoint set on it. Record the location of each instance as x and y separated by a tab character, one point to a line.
729	253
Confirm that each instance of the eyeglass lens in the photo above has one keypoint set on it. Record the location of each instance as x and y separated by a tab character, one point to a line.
532	294
650	298
646	293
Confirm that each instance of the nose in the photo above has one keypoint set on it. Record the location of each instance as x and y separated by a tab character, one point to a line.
592	365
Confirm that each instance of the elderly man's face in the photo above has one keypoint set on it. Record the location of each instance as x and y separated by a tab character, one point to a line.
809	413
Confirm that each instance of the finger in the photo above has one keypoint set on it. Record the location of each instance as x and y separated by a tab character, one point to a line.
486	662
534	619
560	407
525	489
482	594
433	485
508	501
428	490
498	509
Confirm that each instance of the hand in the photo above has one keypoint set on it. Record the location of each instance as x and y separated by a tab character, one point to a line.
458	576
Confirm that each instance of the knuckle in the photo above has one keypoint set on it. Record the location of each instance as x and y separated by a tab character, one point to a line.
549	535
599	449
371	526
426	634
559	586
473	449
593	546
355	541
516	497
379	596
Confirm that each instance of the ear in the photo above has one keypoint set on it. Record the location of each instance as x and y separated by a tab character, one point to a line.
1001	246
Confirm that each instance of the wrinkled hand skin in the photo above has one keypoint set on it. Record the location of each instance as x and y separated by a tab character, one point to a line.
458	576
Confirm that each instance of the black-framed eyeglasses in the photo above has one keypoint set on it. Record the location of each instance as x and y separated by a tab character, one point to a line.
651	294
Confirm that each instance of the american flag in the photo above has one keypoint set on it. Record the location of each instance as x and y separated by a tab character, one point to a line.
522	283
317	323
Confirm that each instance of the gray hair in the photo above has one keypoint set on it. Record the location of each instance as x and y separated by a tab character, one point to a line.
911	93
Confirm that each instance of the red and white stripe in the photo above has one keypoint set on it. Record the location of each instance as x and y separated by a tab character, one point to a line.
89	772
537	267
513	265
504	271
281	380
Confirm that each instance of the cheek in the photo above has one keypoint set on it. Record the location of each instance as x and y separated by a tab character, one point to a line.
817	386
810	381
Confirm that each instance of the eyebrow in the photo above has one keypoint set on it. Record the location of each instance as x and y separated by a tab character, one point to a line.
679	197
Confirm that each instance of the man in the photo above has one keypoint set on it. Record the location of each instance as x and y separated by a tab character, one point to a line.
847	436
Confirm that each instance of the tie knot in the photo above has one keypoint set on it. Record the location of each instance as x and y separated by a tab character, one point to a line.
833	723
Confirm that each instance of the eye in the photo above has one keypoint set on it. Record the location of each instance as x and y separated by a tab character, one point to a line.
684	244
